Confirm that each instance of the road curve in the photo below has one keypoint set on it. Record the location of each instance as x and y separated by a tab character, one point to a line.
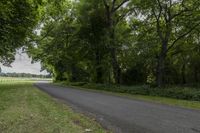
123	115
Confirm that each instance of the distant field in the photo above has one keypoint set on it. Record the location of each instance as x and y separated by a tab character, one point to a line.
26	109
16	79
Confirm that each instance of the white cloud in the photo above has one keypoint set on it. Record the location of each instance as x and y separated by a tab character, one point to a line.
22	64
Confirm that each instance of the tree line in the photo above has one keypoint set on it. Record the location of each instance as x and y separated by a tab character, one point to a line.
24	75
114	41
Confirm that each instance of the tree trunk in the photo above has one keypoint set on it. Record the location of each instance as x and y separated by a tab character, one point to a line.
160	72
116	67
115	64
183	74
99	73
73	73
161	65
196	75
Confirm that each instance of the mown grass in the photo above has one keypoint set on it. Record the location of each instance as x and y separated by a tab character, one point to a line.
170	96
19	79
25	109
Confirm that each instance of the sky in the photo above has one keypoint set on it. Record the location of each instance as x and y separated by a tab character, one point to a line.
22	64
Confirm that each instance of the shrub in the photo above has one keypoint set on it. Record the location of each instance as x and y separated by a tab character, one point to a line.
185	93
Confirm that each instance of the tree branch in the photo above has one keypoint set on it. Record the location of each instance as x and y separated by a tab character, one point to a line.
105	4
121	4
182	36
158	23
125	13
113	4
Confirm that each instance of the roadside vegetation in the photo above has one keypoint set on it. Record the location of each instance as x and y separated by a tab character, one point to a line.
25	109
179	96
152	46
121	42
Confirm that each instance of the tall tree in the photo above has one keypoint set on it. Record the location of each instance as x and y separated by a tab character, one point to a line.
17	20
174	21
115	11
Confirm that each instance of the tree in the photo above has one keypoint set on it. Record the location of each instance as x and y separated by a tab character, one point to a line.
119	41
17	20
115	11
174	21
91	32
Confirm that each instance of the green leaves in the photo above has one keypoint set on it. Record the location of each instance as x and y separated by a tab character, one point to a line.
17	20
96	41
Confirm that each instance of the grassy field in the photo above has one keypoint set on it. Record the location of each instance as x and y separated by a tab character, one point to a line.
25	109
14	79
157	99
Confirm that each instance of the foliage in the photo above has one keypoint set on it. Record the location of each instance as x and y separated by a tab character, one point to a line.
107	41
176	92
17	19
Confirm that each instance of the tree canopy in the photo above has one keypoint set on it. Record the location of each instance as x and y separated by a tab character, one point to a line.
17	20
107	41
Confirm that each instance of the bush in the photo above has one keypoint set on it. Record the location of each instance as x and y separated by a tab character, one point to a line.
185	93
196	96
78	83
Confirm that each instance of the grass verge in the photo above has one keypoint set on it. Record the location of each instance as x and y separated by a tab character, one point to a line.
25	109
156	99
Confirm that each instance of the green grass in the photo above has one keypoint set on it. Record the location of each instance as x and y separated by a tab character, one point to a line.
25	109
168	101
20	79
157	99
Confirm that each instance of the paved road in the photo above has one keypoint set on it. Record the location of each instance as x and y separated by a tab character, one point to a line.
124	115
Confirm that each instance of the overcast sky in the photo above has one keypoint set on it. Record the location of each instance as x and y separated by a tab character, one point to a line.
22	64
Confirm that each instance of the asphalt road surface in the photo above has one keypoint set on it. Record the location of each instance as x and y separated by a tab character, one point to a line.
123	115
